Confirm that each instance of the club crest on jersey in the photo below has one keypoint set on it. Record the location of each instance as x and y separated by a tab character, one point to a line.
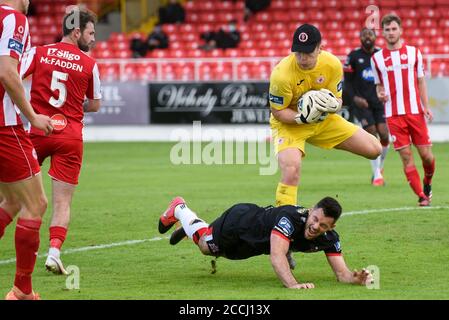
320	79
15	45
59	122
55	52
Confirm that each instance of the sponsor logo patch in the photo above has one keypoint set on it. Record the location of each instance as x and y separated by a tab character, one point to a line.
277	99
368	75
340	86
15	45
59	122
337	246
286	226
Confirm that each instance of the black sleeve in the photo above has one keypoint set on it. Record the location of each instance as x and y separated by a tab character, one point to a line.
349	71
285	224
164	42
334	247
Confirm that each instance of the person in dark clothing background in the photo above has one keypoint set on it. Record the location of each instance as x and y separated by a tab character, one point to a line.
173	12
157	39
254	6
221	39
360	91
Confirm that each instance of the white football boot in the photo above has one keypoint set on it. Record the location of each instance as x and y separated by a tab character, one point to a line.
55	265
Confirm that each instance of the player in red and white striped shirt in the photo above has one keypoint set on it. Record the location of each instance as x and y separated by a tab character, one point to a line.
399	76
20	180
62	76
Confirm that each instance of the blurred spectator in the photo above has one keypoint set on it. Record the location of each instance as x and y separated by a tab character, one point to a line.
221	39
173	12
253	6
157	39
138	47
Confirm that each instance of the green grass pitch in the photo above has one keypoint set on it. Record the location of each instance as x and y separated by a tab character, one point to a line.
125	186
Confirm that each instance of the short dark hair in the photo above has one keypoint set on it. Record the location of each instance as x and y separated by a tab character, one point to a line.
331	207
368	29
69	24
391	17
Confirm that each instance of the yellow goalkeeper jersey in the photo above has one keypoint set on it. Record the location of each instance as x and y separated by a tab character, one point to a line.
288	82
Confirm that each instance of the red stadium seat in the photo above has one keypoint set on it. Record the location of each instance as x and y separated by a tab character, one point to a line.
406	3
232	53
428	13
350	4
388	5
296	5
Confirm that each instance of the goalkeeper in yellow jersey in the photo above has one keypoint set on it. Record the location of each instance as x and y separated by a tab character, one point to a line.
308	69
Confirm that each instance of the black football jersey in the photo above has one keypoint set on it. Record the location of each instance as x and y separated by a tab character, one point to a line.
359	77
245	231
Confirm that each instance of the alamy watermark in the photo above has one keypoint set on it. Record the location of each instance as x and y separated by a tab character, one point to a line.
210	146
375	274
73	278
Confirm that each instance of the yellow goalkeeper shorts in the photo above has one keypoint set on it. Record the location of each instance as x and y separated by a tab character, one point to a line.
326	134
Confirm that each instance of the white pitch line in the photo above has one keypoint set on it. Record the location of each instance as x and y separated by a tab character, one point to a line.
132	242
99	247
393	209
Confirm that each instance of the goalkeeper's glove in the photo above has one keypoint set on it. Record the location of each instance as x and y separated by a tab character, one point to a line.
326	101
300	119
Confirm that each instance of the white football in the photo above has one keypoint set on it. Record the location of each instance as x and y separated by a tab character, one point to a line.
307	109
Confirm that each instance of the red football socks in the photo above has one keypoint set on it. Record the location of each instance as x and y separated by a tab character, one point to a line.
428	172
413	179
27	245
57	237
5	220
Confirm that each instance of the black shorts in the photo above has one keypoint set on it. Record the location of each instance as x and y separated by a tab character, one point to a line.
229	237
369	116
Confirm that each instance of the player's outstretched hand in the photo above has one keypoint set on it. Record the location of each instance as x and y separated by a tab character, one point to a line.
42	122
362	277
303	286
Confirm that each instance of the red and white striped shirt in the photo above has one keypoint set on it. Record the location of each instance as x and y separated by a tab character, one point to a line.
398	71
14	41
62	76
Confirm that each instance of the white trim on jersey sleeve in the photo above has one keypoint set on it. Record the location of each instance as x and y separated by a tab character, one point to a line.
27	60
10	111
96	83
9	25
375	74
384	74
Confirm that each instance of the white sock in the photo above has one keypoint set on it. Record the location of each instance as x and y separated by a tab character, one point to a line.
186	217
375	167
383	156
54	252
